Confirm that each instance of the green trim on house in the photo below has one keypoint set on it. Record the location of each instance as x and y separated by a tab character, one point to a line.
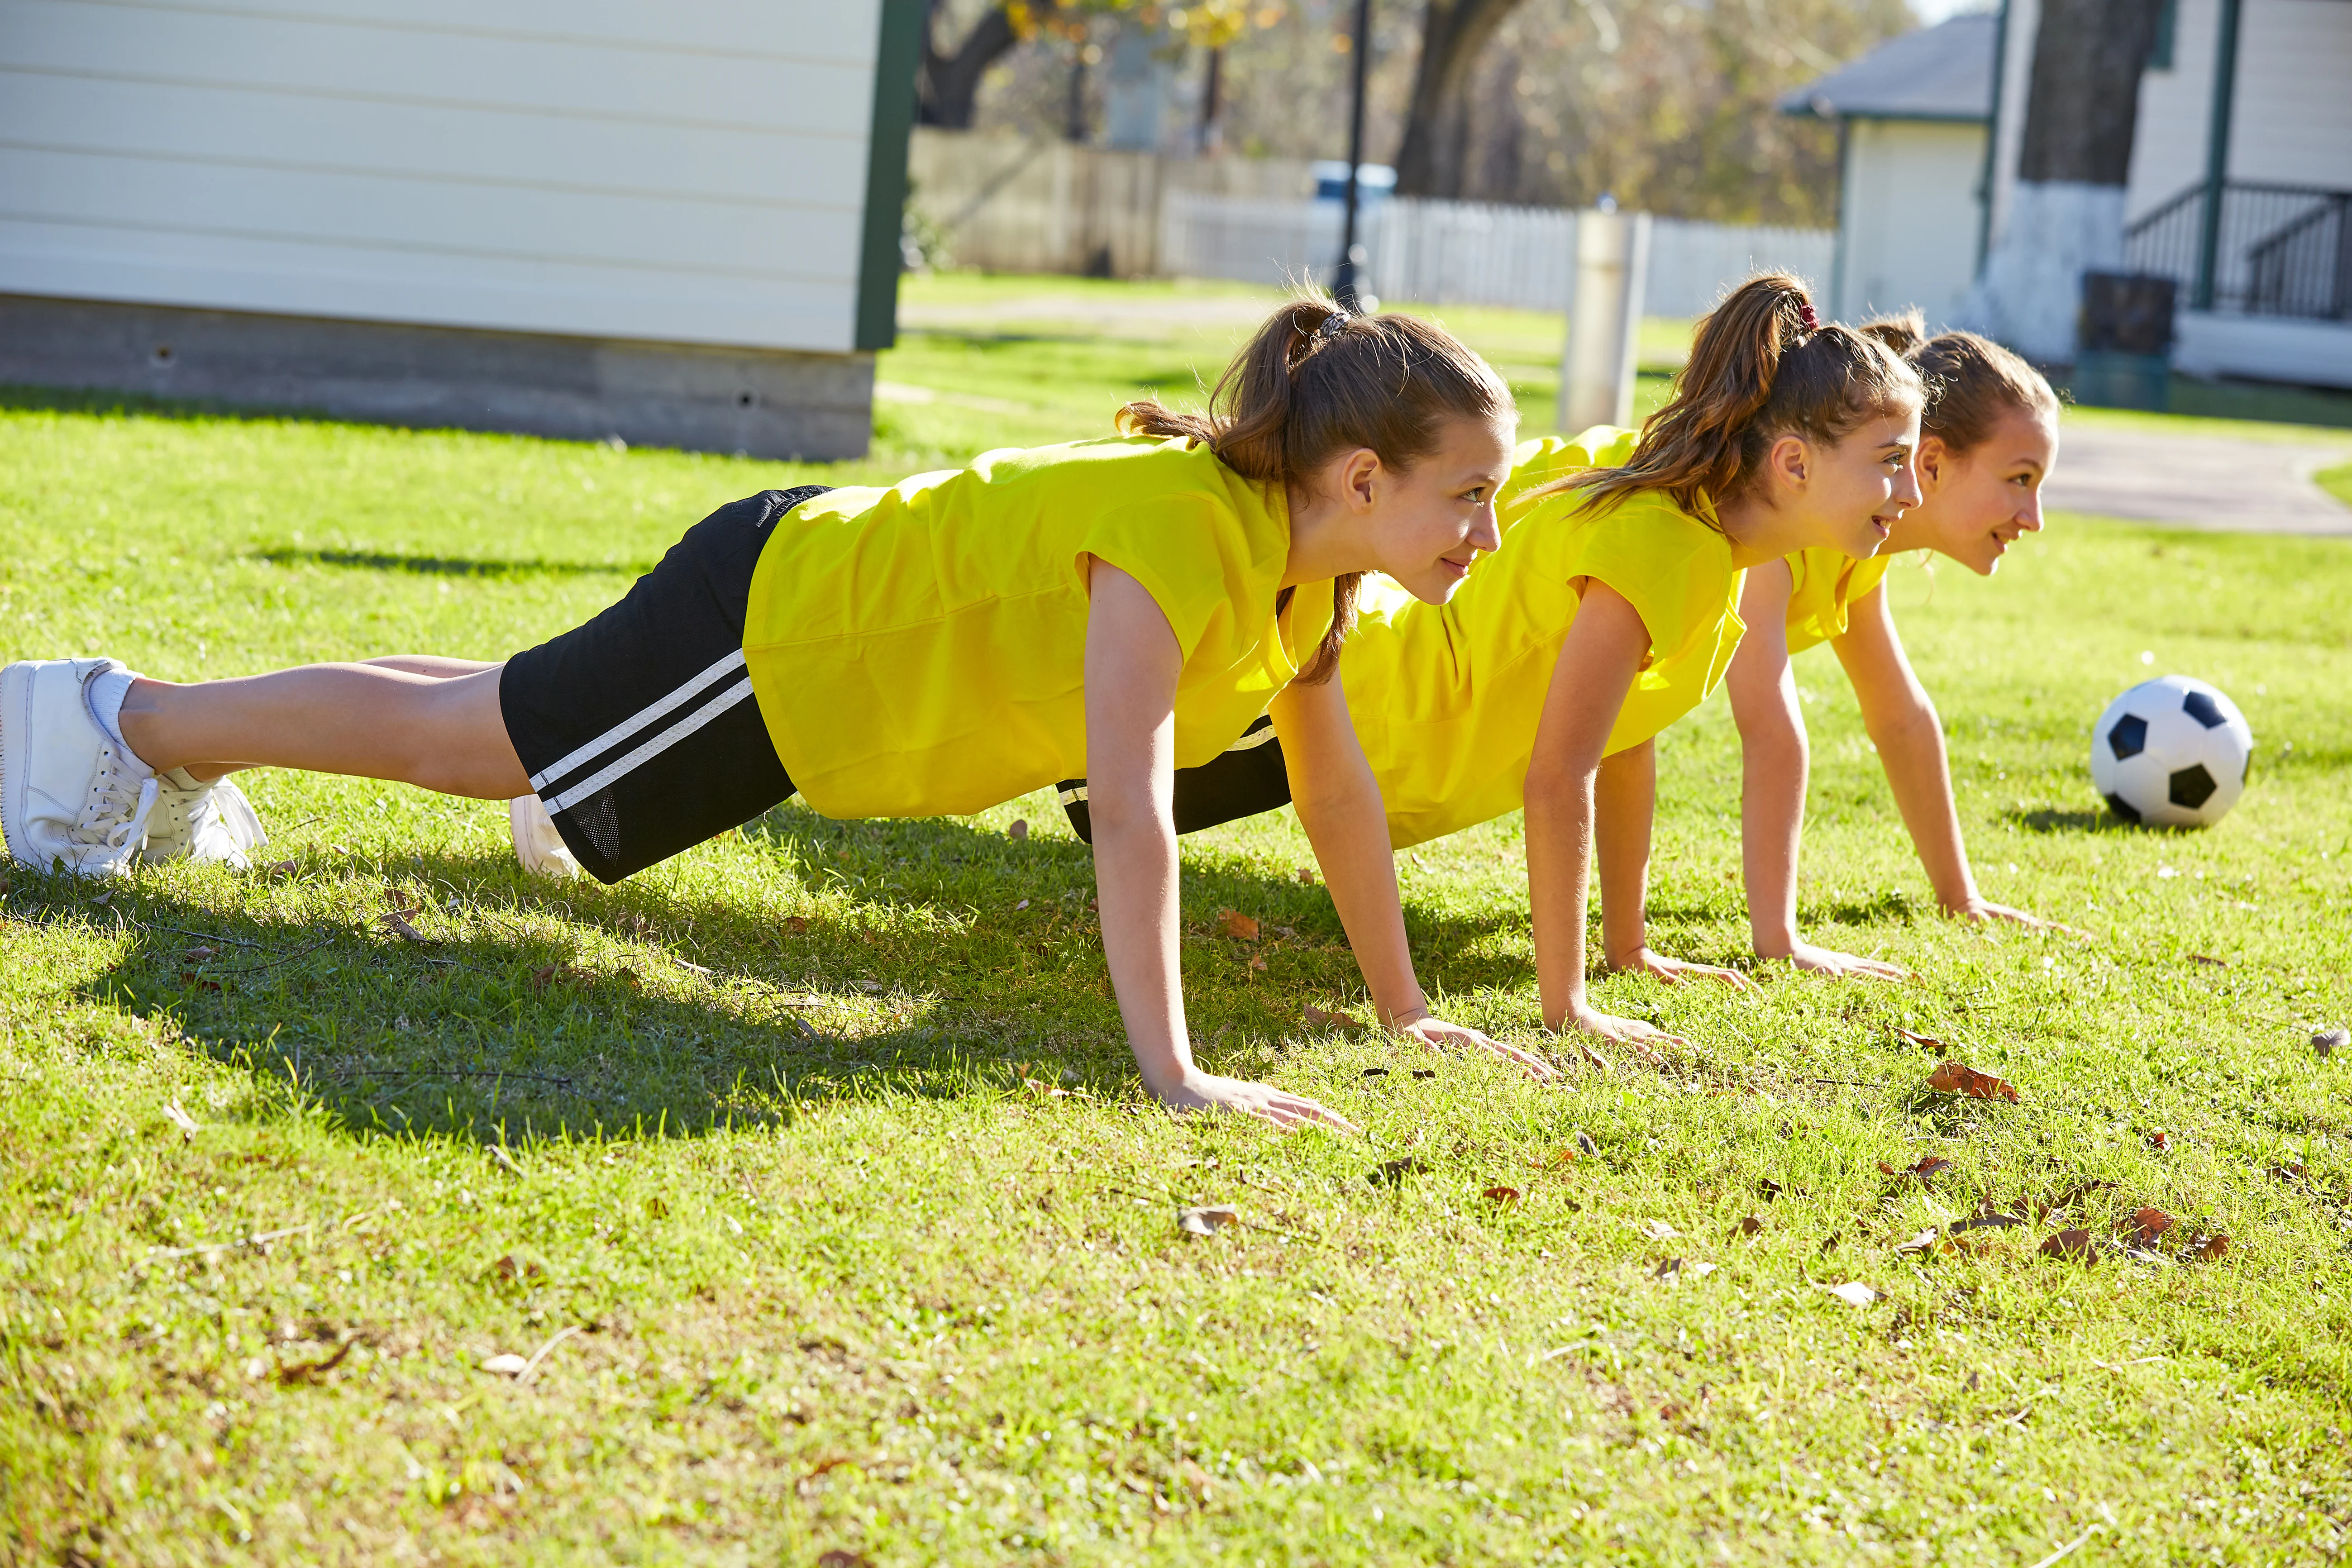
880	260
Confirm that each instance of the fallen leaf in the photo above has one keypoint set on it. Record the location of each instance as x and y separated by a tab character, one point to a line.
2213	1246
1928	1168
396	922
1584	1141
1561	1157
282	868
316	1370
1924	1042
181	1120
1988	1220
1318	1018
1659	1230
199	953
1502	1195
1769	1189
657	1209
1306	875
1668	1268
1424	1072
2071	1196
1751	1225
2074	1244
2148	1224
554	974
1019	907
2160	1140
1019	830
2209	959
2327	1042
1853	1293
1234	923
1376	1072
795	925
1393	1172
505	1363
1923	1242
510	1268
1206	1221
1050	1092
1952	1077
2290	1172
505	1159
837	1558
1257	961
193	982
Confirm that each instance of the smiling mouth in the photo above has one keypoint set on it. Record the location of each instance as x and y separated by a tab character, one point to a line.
1459	568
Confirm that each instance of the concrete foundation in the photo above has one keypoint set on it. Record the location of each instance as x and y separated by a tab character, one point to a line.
764	403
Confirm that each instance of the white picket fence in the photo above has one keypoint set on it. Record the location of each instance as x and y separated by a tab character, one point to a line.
1467	253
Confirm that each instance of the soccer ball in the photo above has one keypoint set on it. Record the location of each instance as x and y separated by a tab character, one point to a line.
2172	752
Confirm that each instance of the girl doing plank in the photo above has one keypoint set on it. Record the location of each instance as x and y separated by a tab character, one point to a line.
1987	442
938	646
1609	611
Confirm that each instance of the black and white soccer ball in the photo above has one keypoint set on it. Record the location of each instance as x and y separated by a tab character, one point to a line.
2172	752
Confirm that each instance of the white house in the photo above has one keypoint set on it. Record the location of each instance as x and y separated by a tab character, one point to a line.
2249	101
678	224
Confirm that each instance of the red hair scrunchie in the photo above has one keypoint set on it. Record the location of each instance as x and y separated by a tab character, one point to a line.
1805	315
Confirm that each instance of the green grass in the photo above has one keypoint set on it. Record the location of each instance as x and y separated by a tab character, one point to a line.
2338	482
845	1283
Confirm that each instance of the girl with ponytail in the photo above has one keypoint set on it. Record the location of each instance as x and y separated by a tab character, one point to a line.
952	641
1988	440
1609	611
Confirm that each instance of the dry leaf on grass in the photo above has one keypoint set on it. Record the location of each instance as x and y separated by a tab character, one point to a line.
2148	1224
1584	1141
2327	1042
316	1370
1376	1072
1051	1092
1257	961
2213	1246
2074	1244
1319	1018
1924	1042
1563	1156
1769	1189
1853	1293
281	867
181	1120
2160	1140
199	953
1499	1195
1927	1170
1392	1172
191	981
794	925
1424	1072
1206	1221
506	1362
1751	1225
1658	1230
1923	1242
837	1558
1019	830
1306	875
1952	1077
1234	923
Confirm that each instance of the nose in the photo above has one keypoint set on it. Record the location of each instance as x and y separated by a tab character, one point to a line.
1906	486
2029	516
1486	531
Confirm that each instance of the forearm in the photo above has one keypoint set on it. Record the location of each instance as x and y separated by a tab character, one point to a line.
1911	747
1348	828
1625	803
1560	814
1774	763
1136	883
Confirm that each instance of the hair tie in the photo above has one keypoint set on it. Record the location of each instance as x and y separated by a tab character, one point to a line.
1805	315
1333	325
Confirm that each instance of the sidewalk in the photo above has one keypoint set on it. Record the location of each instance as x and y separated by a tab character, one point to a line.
2217	482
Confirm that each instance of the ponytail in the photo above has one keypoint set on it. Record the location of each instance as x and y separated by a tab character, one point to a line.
1973	382
1762	366
1315	381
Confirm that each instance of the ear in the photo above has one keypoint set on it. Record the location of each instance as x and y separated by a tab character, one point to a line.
1790	462
1360	473
1933	459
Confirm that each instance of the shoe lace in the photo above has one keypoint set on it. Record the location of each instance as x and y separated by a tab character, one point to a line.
115	816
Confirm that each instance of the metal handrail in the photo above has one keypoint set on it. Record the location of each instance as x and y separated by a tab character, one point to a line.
2281	250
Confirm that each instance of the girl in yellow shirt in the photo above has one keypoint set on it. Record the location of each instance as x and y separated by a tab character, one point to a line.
1122	607
1609	610
1988	440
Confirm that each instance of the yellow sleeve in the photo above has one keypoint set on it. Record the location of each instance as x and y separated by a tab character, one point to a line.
1187	553
1647	552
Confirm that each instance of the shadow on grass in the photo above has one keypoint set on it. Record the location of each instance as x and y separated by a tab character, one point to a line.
2052	819
858	960
446	565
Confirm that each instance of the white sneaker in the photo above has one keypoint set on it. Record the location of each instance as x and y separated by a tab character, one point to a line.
71	797
538	846
202	822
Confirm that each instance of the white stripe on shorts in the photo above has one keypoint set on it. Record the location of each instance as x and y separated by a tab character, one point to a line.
628	727
653	748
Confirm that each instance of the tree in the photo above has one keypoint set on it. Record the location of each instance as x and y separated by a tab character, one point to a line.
2066	213
1437	119
947	85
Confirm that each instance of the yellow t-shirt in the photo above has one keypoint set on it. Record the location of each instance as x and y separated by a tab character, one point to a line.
1827	583
1446	697
920	650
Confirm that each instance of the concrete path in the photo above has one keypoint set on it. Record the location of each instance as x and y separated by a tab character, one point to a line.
2226	483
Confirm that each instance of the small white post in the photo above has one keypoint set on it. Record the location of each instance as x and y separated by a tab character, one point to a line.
1604	320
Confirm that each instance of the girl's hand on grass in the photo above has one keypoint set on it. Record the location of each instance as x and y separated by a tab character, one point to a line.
1982	911
1211	1091
1674	970
1644	1038
1440	1036
1839	966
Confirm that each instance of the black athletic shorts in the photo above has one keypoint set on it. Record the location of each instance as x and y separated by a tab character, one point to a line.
1245	778
639	730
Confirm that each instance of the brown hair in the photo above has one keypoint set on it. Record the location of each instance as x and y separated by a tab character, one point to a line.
1971	380
1761	366
1313	382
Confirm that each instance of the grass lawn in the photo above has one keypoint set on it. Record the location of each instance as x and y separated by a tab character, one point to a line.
813	1168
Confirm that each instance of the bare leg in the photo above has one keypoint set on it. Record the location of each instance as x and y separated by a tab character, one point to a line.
432	666
363	720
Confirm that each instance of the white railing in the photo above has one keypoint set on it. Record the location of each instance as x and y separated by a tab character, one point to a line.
1469	253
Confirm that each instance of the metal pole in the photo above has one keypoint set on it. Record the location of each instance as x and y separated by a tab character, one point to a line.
1345	280
2217	153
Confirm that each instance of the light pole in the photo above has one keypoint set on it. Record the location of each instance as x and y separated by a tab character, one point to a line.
1346	280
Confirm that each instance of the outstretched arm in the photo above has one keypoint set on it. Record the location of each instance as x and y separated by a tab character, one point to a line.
1625	799
1596	668
1775	762
1904	726
1132	663
1338	803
